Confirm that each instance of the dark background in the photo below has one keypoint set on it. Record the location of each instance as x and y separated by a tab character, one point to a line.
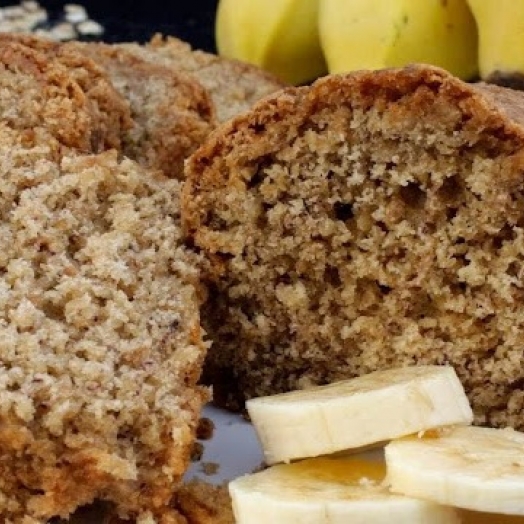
124	20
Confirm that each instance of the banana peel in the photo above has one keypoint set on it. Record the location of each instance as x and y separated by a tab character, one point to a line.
280	36
373	34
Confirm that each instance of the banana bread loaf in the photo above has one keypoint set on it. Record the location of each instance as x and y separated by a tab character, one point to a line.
368	221
233	86
100	340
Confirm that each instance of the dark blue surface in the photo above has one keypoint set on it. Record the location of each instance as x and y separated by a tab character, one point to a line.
125	20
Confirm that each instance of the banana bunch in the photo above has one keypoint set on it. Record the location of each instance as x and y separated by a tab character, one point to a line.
298	40
435	468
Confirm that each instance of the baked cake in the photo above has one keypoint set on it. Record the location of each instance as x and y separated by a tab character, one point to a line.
233	86
99	334
369	221
155	115
63	95
172	112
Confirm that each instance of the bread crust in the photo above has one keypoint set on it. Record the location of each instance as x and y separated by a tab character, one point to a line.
233	86
371	220
70	96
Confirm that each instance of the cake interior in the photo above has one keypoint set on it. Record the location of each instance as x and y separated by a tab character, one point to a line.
99	333
380	231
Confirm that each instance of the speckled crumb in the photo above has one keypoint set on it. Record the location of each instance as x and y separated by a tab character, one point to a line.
370	221
100	336
233	86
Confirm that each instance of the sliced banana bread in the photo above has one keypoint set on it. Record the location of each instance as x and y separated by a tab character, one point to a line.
369	221
172	113
62	94
100	340
234	86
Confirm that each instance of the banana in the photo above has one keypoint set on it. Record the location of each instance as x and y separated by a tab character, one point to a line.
358	412
372	34
480	469
328	491
281	36
501	38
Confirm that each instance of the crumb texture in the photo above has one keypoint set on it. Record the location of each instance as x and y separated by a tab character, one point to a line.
367	222
172	112
234	86
99	333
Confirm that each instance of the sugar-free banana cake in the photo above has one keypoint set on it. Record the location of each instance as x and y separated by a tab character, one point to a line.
100	340
233	86
368	221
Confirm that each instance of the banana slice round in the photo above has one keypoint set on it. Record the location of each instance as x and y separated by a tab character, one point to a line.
359	412
328	491
480	469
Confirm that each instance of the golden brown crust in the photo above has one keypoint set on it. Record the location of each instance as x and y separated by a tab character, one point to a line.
96	116
368	221
203	503
171	111
233	86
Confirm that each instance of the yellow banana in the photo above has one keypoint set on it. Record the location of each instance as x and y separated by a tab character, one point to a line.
278	35
501	38
372	34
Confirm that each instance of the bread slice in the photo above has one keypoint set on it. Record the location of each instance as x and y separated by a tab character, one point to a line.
99	333
369	221
172	112
167	114
204	503
234	86
64	93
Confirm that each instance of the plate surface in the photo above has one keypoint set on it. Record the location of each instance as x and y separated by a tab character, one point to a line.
234	448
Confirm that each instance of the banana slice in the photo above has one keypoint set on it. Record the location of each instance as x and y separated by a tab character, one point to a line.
328	491
354	413
479	469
